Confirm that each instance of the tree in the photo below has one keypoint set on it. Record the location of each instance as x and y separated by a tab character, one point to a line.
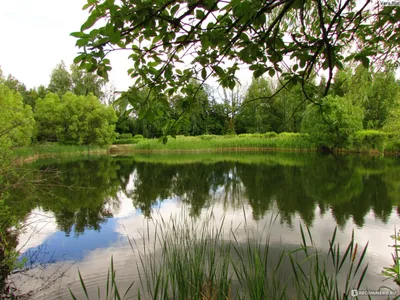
382	99
75	120
14	84
215	37
60	80
84	83
48	116
29	96
16	120
77	81
86	121
331	125
191	111
253	113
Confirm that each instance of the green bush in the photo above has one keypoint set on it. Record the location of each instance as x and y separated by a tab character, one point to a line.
270	134
124	136
138	136
393	142
289	134
207	137
369	139
331	125
251	135
125	141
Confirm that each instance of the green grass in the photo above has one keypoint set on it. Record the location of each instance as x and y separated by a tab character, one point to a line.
182	258
50	149
289	141
285	158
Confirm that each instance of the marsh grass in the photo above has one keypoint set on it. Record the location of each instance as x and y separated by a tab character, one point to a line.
292	141
182	258
393	272
50	149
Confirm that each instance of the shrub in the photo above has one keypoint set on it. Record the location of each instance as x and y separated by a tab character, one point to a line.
393	142
207	137
138	136
125	141
332	124
270	134
289	134
250	135
123	136
369	139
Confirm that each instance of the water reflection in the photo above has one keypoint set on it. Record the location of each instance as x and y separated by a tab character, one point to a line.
88	191
95	202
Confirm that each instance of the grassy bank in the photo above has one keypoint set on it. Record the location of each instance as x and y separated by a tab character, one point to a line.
370	142
36	151
285	158
246	142
182	258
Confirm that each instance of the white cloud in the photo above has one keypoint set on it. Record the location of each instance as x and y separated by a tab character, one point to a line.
35	37
39	225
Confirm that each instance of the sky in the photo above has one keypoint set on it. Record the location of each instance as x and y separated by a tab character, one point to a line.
35	37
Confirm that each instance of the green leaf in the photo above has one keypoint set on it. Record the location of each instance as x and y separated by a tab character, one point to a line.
365	61
86	6
259	72
89	23
156	39
174	9
271	72
79	58
78	34
218	70
200	14
204	74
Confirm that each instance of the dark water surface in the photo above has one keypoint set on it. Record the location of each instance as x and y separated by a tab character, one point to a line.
83	217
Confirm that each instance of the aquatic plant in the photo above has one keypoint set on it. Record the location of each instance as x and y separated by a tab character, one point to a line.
393	272
183	258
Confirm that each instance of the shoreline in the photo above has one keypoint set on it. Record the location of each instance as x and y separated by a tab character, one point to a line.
128	149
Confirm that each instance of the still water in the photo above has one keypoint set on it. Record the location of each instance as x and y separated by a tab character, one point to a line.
91	205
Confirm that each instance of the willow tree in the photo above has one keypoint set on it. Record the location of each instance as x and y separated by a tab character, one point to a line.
172	42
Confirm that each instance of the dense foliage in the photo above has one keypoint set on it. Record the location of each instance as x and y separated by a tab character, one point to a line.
359	99
16	119
332	124
172	42
16	129
74	120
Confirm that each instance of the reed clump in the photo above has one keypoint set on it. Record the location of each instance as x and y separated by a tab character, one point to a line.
272	141
182	258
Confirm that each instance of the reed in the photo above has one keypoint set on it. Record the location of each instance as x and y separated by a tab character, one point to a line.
183	258
288	141
52	149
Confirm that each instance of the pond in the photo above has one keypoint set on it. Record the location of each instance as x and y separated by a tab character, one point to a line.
90	206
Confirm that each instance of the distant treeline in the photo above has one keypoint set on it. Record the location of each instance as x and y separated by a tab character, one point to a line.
362	109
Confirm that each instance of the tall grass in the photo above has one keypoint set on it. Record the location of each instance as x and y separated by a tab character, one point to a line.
182	258
50	149
289	141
